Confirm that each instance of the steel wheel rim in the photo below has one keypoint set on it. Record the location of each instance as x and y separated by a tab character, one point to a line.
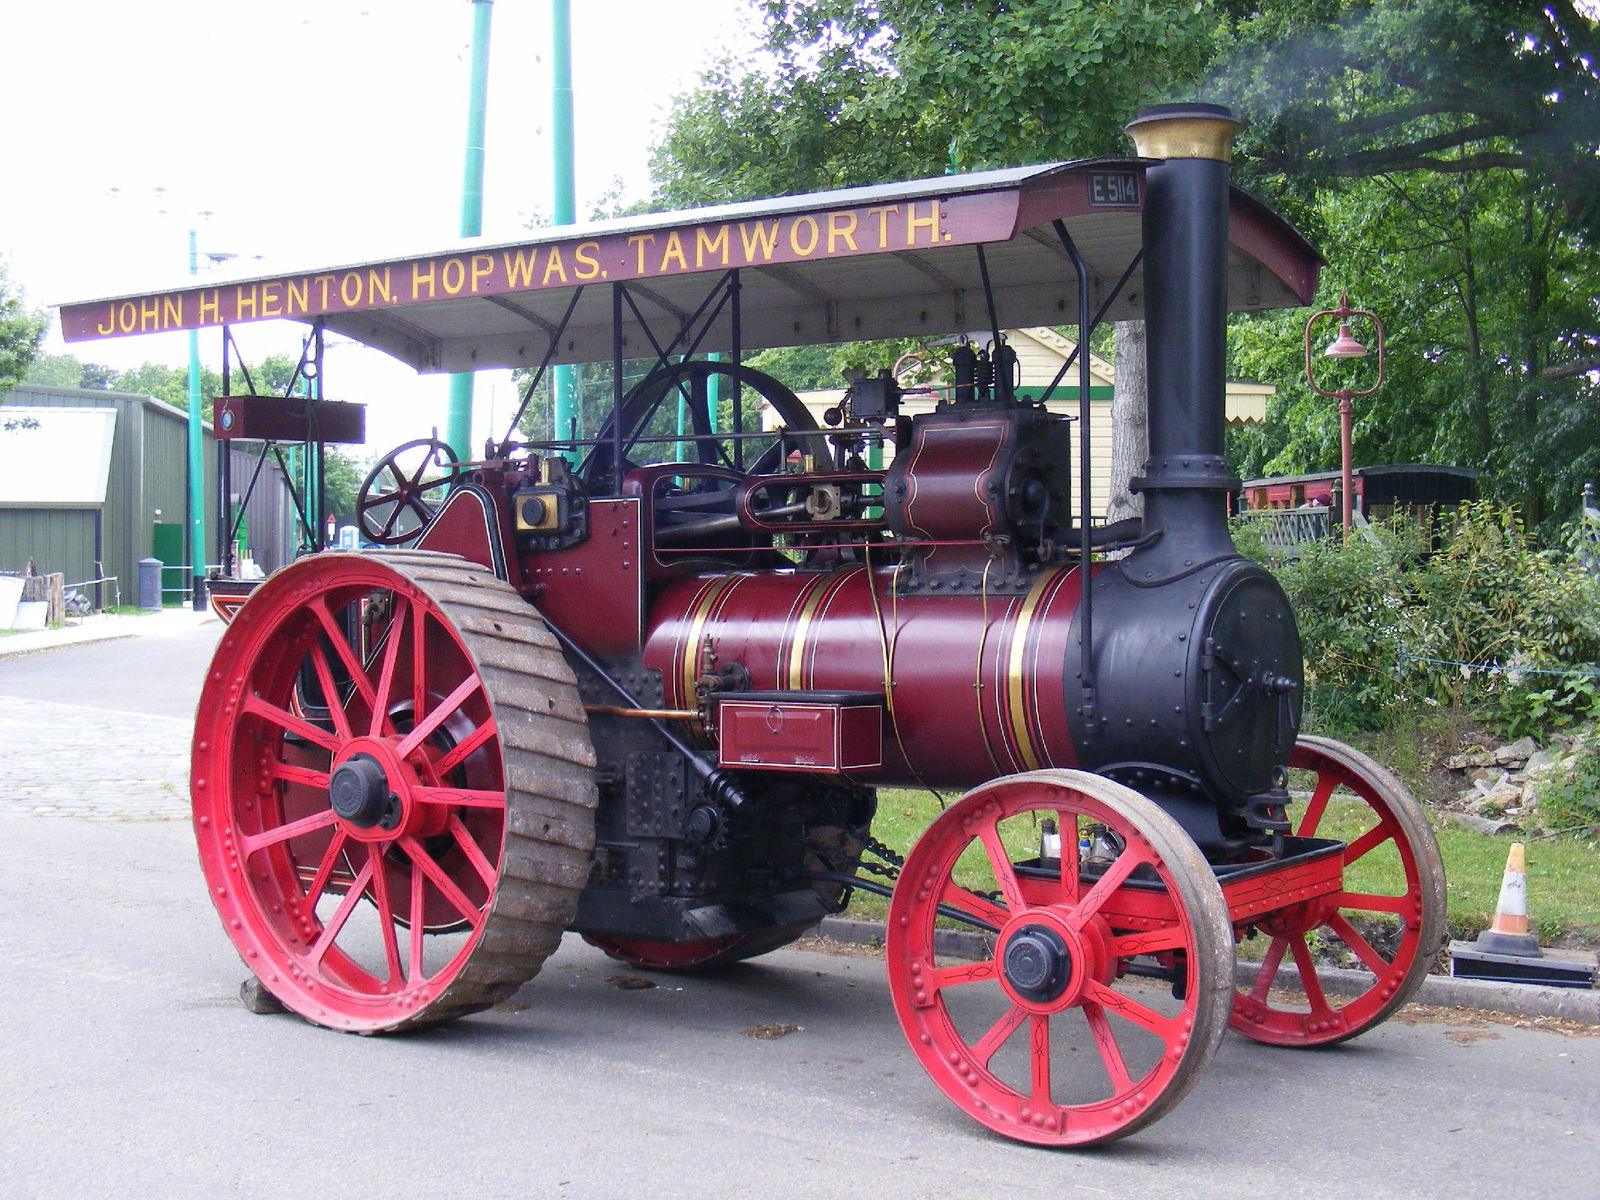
272	856
1419	910
961	1064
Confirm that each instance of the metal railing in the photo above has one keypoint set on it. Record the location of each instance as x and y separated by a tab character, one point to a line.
1286	530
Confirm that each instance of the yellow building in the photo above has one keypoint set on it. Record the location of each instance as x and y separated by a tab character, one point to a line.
1041	352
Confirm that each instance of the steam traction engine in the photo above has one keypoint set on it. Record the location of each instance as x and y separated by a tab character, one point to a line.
650	701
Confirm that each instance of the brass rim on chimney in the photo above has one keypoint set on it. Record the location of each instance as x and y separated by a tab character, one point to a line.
1184	131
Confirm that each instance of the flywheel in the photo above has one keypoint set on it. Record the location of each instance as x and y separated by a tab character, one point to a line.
393	788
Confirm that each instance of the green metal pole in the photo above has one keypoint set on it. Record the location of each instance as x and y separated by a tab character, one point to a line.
564	379
459	430
197	470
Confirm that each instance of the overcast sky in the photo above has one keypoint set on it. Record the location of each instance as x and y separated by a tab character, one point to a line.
315	132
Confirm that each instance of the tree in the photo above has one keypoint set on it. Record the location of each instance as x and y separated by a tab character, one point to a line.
1362	88
1130	421
850	92
1446	155
21	333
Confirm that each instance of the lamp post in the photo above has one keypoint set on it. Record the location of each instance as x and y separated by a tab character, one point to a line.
1344	346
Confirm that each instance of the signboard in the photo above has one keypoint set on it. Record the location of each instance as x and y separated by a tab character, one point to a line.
831	233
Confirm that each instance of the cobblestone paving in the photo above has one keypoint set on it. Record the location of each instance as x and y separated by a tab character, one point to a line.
65	760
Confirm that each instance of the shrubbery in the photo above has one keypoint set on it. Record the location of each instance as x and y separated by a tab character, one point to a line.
1387	627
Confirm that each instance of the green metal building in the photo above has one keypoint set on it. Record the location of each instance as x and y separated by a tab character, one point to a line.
93	481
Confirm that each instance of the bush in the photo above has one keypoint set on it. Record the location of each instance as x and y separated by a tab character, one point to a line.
1389	629
1572	802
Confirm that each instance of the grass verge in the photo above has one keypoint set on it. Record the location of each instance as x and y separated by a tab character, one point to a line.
1563	875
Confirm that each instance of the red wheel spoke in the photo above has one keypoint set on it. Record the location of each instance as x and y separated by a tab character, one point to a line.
1116	874
380	897
418	908
1071	867
1308	977
330	693
305	776
1039	1058
250	843
1149	941
382	696
466	747
977	972
469	846
1318	804
424	728
388	525
377	498
1000	863
1270	962
347	655
419	663
1130	1009
986	1046
1363	949
1368	841
1367	902
420	858
1110	1053
459	797
957	897
335	926
330	858
289	723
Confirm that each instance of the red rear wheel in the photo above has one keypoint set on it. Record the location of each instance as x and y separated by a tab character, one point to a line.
1389	919
1002	1036
393	790
701	955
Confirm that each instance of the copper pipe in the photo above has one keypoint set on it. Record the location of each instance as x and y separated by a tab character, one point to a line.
649	714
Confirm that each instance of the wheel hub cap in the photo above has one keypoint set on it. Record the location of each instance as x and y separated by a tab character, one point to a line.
359	792
1037	963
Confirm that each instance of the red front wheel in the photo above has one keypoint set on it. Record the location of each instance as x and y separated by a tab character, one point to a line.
393	789
1389	919
1052	1038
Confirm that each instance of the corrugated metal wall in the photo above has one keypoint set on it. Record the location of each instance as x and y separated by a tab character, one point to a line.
149	472
56	539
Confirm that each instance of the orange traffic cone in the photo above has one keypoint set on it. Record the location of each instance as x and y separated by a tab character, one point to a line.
1506	953
1508	933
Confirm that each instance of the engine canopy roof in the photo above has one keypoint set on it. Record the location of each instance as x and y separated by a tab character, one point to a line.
894	260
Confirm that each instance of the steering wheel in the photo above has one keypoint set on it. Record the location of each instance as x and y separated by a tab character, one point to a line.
689	379
414	477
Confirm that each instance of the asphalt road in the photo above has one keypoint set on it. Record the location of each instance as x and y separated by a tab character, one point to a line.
130	1068
151	675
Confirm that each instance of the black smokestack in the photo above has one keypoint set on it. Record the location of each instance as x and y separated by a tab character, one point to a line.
1186	480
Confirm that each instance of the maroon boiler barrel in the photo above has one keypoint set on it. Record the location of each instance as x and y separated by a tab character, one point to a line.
979	683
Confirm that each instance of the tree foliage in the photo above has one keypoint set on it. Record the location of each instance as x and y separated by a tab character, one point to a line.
1364	88
21	332
1446	155
1454	194
851	92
